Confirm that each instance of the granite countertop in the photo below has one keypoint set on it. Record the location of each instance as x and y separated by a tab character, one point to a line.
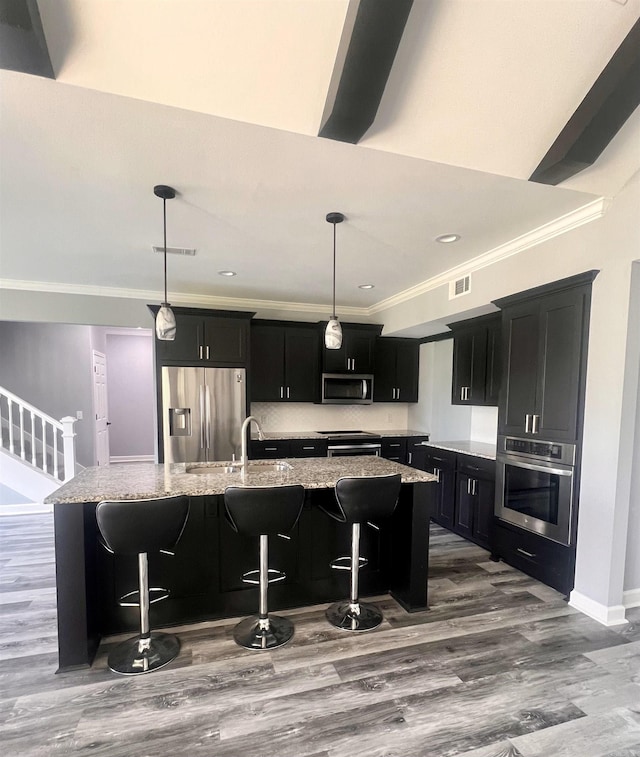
147	480
476	449
284	435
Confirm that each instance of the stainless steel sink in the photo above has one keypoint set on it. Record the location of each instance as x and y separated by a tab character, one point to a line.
267	466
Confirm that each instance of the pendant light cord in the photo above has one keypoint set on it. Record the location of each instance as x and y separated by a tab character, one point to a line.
333	314
164	212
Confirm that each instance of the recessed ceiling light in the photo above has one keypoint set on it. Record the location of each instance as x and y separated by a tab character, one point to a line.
447	238
366	286
226	273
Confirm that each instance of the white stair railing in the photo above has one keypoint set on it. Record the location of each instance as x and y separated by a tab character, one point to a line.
36	438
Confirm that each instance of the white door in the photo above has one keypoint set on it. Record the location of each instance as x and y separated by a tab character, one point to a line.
100	407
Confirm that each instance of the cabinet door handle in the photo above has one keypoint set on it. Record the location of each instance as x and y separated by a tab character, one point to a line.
398	393
353	364
270	449
527	421
200	350
410	458
474	488
535	424
208	358
394	445
436	473
308	448
288	393
525	553
282	392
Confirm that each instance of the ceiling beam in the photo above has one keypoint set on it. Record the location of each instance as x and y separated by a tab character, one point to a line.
372	46
23	46
598	118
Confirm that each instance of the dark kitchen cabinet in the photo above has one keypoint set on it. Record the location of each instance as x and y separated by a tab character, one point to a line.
442	463
207	337
396	370
357	354
271	449
475	495
394	448
416	451
284	362
476	362
544	342
308	447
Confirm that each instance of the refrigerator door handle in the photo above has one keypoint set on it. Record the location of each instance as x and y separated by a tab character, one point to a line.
203	441
207	417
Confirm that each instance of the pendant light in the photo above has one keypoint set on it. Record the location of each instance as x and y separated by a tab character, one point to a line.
165	319
333	332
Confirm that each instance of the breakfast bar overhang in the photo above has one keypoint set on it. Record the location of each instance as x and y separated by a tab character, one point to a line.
204	575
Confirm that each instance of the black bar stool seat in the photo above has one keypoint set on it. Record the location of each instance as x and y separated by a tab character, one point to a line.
360	499
263	512
137	527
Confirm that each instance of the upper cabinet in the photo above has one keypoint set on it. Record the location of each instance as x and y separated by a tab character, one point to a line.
357	354
476	361
207	337
396	370
284	362
544	341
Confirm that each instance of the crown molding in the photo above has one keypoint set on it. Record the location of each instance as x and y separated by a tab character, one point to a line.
177	299
585	214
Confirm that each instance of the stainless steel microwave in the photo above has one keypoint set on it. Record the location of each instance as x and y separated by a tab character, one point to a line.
347	389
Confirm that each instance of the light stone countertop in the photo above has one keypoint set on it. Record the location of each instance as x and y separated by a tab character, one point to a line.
148	480
476	449
285	435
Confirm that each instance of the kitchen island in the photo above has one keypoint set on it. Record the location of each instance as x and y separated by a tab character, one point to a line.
204	575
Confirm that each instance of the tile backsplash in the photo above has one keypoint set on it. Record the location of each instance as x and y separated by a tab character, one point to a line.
305	416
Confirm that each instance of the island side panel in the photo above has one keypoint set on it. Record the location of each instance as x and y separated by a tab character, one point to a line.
75	538
410	546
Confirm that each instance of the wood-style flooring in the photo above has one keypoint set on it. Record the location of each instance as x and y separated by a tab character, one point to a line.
499	667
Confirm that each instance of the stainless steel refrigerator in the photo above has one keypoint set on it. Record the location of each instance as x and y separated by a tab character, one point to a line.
202	412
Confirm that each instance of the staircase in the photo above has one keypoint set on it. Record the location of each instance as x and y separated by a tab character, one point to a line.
38	452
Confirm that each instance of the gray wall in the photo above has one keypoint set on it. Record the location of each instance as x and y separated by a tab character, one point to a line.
49	366
131	394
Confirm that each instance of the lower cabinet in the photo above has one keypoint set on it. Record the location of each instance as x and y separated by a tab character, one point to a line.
541	558
465	493
406	450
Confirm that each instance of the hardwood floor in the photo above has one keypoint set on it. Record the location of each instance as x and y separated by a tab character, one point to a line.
499	667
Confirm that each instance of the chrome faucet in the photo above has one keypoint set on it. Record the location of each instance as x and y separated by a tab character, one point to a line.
243	438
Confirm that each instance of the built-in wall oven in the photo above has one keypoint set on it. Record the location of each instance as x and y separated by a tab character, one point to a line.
351	443
535	486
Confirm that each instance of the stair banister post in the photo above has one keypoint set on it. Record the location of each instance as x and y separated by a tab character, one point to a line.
69	446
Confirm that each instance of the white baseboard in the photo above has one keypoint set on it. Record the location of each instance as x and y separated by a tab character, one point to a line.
132	459
612	615
631	598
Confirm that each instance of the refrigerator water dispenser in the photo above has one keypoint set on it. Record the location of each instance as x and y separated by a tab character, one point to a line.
179	421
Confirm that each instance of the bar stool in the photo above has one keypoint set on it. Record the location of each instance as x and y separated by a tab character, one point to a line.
263	512
137	527
360	500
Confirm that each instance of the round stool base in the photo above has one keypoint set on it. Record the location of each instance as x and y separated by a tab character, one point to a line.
128	660
249	635
342	616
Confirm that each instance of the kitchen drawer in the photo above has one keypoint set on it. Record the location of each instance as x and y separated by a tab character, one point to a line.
269	450
476	467
540	558
308	448
444	457
394	448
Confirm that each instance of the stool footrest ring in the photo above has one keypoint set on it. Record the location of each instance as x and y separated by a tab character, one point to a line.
159	593
273	576
344	563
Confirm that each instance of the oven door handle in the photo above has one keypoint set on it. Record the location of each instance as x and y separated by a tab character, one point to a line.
533	466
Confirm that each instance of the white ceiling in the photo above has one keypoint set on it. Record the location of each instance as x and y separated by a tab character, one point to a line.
222	100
